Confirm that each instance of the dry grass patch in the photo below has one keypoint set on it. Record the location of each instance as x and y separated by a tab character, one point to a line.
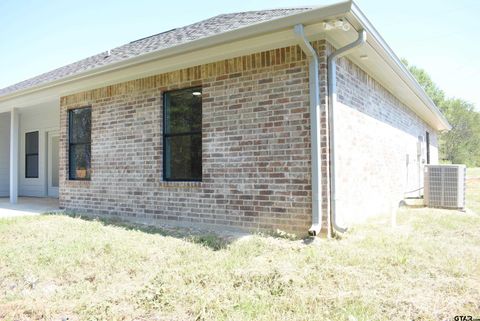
473	189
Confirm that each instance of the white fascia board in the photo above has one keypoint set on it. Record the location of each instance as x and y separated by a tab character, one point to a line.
309	17
376	41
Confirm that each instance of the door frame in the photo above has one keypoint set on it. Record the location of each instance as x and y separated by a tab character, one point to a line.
51	191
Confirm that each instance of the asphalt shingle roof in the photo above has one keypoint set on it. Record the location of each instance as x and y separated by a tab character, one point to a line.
216	25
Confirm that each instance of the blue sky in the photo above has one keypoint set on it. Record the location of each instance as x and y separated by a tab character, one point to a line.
37	35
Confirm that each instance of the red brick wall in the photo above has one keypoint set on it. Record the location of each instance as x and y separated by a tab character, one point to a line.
256	146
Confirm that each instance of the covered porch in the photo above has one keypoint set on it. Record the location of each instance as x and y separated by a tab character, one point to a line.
29	157
27	206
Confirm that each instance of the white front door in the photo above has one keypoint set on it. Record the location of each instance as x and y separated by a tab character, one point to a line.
53	163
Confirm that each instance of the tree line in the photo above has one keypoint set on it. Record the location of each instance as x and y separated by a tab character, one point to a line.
461	145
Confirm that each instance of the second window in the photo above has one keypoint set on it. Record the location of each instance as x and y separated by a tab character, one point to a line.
182	135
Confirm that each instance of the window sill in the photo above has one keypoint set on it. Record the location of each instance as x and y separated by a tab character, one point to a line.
180	184
77	183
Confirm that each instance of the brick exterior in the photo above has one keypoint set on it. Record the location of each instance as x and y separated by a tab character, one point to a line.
256	146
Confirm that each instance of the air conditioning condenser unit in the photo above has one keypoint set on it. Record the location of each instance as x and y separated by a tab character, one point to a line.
445	186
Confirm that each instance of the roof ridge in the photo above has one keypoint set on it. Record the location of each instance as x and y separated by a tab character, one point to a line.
157	34
217	16
270	9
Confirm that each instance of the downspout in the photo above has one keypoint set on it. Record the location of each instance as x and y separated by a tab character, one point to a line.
332	99
314	127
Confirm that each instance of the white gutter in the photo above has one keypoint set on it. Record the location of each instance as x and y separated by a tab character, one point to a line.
314	128
332	99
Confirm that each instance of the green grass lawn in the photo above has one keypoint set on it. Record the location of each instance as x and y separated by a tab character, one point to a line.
426	268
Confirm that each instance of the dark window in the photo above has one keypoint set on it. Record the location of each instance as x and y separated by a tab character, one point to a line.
31	155
427	138
79	124
182	135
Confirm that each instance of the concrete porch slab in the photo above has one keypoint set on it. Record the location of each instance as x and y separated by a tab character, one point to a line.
28	206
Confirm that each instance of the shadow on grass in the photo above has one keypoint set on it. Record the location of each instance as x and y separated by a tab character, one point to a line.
216	239
208	239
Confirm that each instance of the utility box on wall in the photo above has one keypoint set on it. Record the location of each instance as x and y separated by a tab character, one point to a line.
445	186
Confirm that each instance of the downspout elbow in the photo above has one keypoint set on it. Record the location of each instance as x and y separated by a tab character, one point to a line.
361	39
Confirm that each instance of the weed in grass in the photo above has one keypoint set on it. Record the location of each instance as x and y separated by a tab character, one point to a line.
211	241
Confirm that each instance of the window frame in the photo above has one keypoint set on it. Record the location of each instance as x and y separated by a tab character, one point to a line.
166	135
70	144
32	154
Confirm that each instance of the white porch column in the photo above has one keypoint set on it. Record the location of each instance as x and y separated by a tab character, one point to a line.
14	123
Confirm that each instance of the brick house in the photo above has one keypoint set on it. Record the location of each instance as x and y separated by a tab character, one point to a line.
295	119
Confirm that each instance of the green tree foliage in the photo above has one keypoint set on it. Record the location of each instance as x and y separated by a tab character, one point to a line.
461	145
